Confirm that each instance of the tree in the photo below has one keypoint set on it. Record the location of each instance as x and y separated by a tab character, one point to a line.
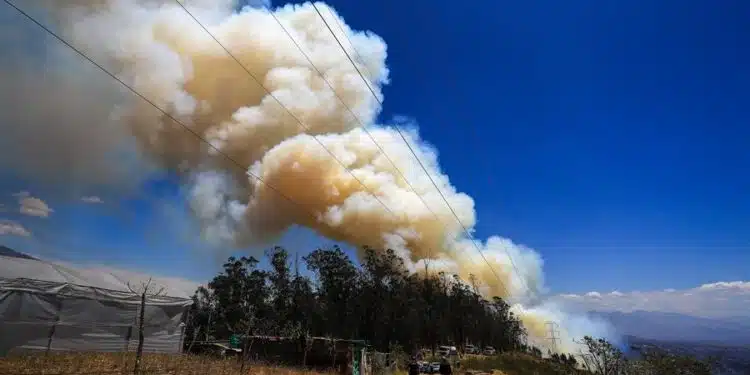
241	294
281	292
338	285
658	362
199	322
145	290
378	301
571	361
603	358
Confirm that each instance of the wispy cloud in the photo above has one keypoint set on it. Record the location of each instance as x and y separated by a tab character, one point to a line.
92	199
719	299
33	206
12	228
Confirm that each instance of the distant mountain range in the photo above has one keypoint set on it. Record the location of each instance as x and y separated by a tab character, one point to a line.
663	326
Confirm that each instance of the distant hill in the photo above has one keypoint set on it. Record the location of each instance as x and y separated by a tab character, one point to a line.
662	326
726	339
731	360
8	252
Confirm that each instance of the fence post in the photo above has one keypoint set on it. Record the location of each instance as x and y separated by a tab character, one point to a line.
126	348
52	329
181	348
139	352
128	336
51	335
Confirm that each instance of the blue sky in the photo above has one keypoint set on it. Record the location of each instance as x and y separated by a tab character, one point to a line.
610	137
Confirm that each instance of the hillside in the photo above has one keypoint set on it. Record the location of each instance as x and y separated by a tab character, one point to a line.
8	252
732	360
679	327
726	339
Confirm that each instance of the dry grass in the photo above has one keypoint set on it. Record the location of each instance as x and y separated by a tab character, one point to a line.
122	363
516	364
170	364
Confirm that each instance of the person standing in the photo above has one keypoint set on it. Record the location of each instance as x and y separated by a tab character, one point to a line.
413	366
445	367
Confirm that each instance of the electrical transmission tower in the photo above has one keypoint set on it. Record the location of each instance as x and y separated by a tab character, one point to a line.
553	333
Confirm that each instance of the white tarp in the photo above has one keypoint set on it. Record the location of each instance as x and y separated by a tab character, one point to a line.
48	304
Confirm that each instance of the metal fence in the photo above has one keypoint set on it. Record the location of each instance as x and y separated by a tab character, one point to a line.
60	348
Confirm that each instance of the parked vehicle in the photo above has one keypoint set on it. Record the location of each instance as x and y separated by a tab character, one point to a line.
471	349
434	367
447	351
489	350
425	367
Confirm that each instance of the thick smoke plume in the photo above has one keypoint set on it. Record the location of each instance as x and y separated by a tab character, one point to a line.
156	47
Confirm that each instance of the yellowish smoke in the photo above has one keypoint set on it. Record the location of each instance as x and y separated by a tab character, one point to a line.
342	184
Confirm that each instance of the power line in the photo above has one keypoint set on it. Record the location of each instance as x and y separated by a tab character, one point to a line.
164	112
216	148
348	108
372	91
183	125
228	52
301	124
361	124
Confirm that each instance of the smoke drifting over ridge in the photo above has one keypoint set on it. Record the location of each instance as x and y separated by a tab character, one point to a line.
154	46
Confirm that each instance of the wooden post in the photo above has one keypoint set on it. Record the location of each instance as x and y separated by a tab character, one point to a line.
145	290
128	336
52	329
51	334
139	351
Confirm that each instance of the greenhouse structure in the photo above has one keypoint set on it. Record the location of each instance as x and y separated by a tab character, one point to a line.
49	306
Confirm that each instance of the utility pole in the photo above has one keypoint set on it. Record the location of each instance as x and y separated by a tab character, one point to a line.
554	334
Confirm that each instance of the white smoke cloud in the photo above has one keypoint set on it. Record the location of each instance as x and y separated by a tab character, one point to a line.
12	228
58	128
551	318
715	300
342	184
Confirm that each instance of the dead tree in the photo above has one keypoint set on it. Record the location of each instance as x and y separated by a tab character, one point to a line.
144	290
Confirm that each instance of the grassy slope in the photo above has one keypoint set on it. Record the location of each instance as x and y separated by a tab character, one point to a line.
119	363
516	364
156	364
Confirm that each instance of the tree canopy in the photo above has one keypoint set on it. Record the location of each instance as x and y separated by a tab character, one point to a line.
379	301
